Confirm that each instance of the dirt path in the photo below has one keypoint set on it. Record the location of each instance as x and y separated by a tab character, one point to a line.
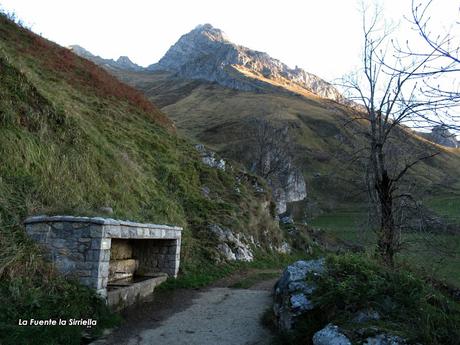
218	315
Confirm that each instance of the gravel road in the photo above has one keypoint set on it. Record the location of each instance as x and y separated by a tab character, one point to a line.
216	315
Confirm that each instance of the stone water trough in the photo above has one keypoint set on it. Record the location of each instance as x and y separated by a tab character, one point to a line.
122	260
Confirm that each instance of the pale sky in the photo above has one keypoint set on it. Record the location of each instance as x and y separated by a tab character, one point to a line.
322	37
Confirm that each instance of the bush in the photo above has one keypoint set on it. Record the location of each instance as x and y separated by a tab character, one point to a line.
408	306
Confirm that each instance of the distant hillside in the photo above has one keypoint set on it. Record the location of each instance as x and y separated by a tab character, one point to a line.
210	87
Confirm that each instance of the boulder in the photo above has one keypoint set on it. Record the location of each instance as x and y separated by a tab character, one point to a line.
293	293
330	335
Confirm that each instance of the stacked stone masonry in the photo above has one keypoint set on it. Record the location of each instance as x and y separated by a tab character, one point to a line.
81	246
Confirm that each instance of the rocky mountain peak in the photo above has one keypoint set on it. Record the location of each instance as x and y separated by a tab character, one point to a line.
206	53
210	32
126	63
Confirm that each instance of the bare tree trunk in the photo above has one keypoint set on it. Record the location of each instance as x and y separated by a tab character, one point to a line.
386	244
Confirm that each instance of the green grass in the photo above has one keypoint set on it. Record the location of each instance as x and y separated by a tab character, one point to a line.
435	255
346	224
447	206
254	278
199	274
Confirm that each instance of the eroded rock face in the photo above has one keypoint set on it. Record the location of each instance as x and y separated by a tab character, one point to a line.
295	186
330	335
232	247
293	293
290	188
206	53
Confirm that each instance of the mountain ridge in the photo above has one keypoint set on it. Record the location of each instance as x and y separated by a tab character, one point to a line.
123	62
206	53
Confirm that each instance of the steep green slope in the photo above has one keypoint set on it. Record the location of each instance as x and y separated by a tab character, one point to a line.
74	139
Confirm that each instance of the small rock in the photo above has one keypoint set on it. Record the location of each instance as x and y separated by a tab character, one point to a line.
284	248
286	219
330	335
366	316
205	191
106	210
385	339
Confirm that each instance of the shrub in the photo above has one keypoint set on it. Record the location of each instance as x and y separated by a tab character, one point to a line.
407	305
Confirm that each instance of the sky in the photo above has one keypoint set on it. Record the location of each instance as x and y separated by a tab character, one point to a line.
322	37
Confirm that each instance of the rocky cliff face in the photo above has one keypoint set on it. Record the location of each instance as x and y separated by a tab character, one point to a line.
123	62
206	53
289	187
442	136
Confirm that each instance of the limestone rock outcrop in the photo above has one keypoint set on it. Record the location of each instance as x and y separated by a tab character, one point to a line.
232	247
209	158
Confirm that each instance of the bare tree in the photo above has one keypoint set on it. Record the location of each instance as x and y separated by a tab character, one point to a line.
441	56
271	148
387	91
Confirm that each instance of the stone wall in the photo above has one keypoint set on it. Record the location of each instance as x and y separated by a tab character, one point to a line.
157	256
81	246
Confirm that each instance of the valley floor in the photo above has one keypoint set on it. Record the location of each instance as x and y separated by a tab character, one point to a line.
228	313
436	255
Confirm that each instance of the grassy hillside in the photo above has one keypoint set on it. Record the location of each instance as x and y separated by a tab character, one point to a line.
324	140
74	139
